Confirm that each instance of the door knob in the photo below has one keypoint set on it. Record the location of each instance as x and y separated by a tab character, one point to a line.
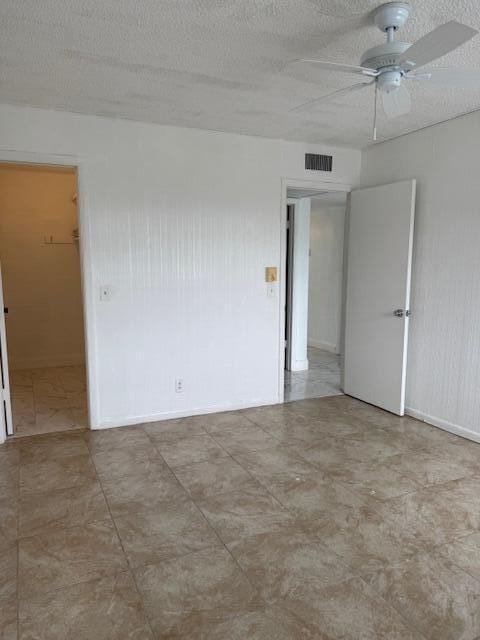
398	313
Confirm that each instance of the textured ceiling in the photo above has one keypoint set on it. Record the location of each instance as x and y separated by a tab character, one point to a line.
218	64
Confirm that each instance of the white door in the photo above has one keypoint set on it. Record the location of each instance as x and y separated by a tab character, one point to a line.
6	423
380	240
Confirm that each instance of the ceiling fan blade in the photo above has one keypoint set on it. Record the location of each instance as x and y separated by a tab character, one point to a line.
436	44
343	68
397	103
328	96
449	77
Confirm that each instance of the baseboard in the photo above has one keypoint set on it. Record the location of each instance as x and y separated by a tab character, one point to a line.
444	424
325	346
110	423
67	360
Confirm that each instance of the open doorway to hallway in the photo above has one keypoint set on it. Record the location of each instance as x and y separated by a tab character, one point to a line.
315	249
42	294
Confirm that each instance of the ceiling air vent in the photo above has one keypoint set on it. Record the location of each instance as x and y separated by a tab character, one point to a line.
316	162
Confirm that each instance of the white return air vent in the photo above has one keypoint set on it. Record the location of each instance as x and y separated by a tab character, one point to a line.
316	162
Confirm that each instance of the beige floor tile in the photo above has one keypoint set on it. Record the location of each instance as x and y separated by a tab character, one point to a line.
313	408
62	508
9	472
103	440
190	449
372	442
245	439
8	592
128	461
55	422
235	420
349	611
8	572
65	557
203	587
104	609
464	553
378	479
49	475
142	492
62	380
173	529
430	467
367	541
171	430
49	400
23	408
455	507
311	431
212	477
244	512
51	447
438	514
278	413
300	516
288	564
8	521
419	435
275	461
461	448
333	454
438	598
376	416
272	623
319	502
8	618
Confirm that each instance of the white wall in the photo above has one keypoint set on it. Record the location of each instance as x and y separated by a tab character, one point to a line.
327	228
41	281
181	224
443	379
299	311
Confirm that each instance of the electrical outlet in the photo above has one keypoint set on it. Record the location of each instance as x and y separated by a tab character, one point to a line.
179	385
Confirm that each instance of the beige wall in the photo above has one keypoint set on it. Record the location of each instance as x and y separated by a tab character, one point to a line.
41	281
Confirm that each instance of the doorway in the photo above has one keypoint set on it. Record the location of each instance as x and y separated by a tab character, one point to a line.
44	352
314	293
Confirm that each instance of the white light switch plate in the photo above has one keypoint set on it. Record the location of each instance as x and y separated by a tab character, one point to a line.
105	293
272	290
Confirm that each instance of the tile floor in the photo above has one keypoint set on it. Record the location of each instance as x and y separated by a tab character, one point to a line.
320	519
49	399
322	378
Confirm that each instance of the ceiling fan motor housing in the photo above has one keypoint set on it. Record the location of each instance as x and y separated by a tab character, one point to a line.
383	55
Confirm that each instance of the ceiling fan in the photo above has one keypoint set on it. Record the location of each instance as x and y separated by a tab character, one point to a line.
390	66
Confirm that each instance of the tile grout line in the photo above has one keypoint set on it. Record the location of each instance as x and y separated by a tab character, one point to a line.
211	525
129	568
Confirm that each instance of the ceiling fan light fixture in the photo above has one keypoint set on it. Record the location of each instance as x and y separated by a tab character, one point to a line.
389	81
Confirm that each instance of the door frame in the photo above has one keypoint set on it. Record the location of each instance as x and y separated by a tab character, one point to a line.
290	229
315	186
85	250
